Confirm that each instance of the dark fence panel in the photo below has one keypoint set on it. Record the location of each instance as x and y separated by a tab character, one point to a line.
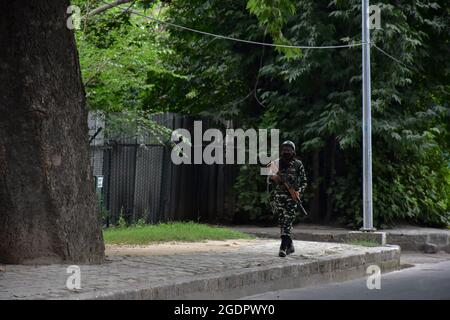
122	181
141	181
149	169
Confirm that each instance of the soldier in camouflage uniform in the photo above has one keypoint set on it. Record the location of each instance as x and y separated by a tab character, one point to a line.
286	171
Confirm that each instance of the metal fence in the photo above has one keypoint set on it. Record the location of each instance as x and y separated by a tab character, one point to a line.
138	180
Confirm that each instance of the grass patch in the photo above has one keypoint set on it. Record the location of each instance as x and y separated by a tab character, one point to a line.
173	231
364	243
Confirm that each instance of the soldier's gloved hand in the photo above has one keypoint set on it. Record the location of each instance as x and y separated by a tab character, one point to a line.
276	179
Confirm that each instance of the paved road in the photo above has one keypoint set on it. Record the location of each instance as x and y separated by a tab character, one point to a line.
423	277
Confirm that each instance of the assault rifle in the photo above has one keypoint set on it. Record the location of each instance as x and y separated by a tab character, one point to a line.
294	194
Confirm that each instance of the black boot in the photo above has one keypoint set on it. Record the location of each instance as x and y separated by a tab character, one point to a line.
283	247
290	246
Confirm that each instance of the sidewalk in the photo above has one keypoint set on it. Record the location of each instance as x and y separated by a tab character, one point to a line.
409	238
250	268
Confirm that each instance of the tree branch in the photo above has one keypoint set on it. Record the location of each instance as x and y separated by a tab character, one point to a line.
108	6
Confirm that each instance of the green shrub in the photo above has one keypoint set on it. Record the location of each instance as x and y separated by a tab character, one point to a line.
121	223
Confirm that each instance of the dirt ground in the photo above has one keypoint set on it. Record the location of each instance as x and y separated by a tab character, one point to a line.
170	248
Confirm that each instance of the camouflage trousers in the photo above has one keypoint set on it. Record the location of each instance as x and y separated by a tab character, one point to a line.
285	209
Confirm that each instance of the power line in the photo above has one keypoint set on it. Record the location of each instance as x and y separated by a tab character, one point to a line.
255	90
129	7
391	57
257	42
240	40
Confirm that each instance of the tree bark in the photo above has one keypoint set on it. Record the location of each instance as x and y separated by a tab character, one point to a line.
48	209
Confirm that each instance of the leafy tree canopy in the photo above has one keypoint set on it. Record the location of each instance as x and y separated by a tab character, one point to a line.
313	96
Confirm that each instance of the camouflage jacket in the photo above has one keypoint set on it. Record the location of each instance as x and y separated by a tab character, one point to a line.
294	174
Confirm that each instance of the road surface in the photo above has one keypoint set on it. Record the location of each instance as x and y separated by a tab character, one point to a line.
422	277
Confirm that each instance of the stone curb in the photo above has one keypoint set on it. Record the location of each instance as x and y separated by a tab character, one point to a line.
421	242
407	240
295	274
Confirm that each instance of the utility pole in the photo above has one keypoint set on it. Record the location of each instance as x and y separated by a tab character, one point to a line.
367	122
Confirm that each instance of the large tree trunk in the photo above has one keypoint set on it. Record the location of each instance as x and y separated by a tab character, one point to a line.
48	210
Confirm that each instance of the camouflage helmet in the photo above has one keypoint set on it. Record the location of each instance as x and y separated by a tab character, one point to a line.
288	143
